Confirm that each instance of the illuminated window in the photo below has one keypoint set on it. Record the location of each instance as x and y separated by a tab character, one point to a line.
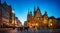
51	24
45	21
36	24
50	20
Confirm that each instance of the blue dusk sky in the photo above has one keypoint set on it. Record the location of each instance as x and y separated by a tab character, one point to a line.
21	7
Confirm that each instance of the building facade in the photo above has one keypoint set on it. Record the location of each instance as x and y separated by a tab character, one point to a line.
58	23
39	21
17	22
5	13
7	17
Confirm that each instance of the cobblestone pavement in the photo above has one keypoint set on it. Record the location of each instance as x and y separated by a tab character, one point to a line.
31	31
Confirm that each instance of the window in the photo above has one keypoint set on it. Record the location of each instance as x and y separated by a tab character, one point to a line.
38	18
5	13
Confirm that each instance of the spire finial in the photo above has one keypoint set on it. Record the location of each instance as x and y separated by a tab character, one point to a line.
45	13
30	12
34	8
38	8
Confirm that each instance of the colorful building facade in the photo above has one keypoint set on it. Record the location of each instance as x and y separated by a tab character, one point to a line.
5	13
7	17
39	21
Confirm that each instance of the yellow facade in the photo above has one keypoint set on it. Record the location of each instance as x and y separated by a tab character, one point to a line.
37	20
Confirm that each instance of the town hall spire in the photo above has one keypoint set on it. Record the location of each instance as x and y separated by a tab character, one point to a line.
35	10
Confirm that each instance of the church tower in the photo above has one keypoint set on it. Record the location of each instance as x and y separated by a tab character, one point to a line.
45	19
29	16
38	15
35	10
